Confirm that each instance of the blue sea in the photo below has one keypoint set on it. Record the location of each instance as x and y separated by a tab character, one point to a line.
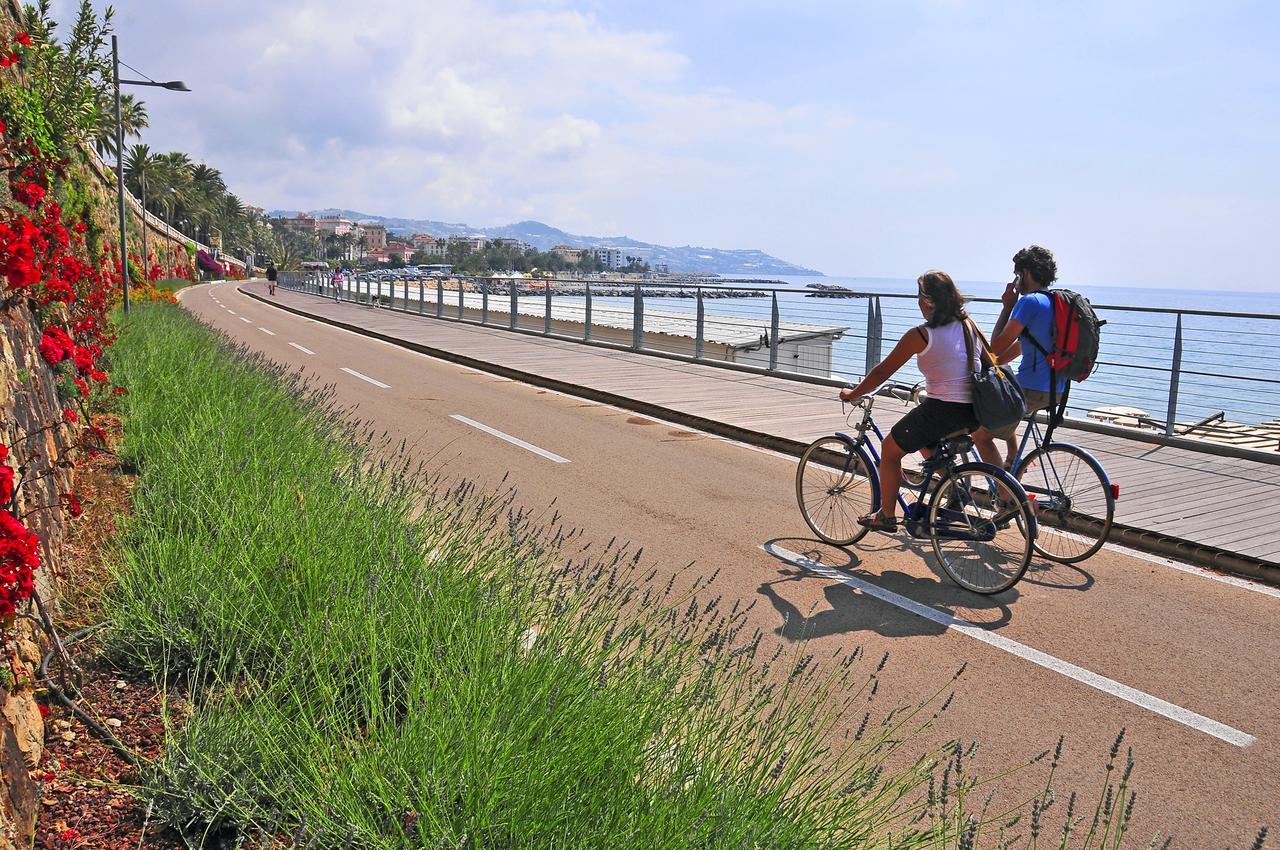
1229	364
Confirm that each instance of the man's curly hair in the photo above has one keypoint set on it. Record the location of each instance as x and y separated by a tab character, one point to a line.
1038	261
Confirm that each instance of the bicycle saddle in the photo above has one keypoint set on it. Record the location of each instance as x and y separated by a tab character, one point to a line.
956	444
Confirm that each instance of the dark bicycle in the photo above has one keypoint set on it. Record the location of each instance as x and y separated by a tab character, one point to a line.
1075	499
978	517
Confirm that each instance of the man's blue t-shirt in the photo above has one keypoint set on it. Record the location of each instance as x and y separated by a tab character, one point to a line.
1035	313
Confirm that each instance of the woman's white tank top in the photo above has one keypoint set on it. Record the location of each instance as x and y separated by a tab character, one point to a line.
947	370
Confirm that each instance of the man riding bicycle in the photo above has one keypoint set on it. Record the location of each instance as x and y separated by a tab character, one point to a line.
1027	309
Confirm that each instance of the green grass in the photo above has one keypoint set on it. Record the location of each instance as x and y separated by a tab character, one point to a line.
358	647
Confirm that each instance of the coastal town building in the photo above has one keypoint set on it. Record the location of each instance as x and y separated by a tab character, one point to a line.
298	225
568	252
517	244
610	258
428	244
375	236
473	243
335	224
403	250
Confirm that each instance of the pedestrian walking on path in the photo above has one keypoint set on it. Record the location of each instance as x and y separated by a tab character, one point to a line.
272	275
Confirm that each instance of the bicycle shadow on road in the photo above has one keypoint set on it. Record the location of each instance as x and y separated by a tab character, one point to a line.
848	609
1051	574
1041	572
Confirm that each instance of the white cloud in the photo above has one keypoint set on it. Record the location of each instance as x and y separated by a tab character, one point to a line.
444	108
464	109
567	136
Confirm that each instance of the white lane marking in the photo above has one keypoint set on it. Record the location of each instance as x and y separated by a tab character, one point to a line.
1139	698
366	378
246	321
232	312
265	331
515	441
302	348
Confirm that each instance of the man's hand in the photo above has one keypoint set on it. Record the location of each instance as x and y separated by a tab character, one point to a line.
846	394
1010	296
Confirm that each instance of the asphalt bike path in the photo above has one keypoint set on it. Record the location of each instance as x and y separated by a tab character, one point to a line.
1120	641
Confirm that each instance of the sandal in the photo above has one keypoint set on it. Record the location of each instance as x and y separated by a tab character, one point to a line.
878	522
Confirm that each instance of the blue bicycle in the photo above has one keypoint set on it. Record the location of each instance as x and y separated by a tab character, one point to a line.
978	517
1075	500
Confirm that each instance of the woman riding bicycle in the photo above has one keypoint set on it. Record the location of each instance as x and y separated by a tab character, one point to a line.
943	358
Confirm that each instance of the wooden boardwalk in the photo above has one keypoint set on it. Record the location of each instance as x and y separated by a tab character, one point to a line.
1226	503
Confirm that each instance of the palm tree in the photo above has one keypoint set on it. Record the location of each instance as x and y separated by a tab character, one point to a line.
207	189
173	183
133	120
288	254
141	168
231	221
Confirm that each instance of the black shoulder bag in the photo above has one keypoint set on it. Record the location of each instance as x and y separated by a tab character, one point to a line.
997	398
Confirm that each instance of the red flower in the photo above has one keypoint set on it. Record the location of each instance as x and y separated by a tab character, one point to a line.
44	709
70	415
23	38
83	358
55	346
73	506
19	558
4	128
6	485
118	391
30	194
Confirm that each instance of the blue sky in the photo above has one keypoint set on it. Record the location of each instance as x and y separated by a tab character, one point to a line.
1139	140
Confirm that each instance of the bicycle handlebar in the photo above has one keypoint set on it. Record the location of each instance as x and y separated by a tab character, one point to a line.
903	392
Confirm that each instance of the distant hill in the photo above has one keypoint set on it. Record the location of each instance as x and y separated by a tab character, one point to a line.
685	258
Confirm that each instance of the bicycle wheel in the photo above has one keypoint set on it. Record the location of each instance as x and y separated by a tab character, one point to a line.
1074	503
981	527
834	486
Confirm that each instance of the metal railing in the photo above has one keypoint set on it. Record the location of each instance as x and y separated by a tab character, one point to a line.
1174	372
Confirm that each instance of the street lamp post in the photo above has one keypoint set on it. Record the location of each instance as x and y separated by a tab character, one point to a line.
145	273
172	85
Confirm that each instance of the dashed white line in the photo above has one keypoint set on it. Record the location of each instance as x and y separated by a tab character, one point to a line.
265	331
302	348
1139	698
232	312
246	321
515	441
366	378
